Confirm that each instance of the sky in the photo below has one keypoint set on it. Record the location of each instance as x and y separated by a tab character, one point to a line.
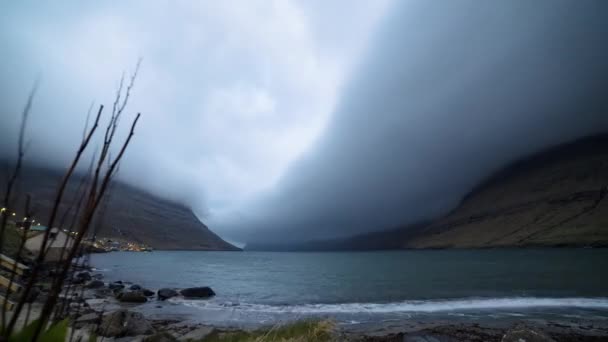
292	120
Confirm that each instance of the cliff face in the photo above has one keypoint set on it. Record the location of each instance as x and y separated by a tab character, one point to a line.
555	198
129	214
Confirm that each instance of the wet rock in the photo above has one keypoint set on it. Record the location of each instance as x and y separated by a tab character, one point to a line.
148	293
198	334
166	293
94	284
134	287
117	285
77	281
132	297
197	292
84	276
124	323
89	318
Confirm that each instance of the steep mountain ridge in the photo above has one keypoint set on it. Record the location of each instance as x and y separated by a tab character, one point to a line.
130	213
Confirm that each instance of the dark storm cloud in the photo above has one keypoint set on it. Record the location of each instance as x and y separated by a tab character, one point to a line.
449	92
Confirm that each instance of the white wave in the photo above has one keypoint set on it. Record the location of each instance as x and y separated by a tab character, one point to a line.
422	306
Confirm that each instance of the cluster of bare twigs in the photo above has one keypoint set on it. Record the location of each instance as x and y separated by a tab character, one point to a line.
79	216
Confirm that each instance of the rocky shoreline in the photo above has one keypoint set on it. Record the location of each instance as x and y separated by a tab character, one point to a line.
109	310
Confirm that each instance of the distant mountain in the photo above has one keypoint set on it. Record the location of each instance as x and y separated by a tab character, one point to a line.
130	214
554	198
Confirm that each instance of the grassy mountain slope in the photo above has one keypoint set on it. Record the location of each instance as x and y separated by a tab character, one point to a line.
554	198
131	214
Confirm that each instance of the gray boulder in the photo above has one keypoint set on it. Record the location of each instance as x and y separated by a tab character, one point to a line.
95	284
134	287
89	318
197	292
147	293
77	281
166	293
124	323
84	276
132	297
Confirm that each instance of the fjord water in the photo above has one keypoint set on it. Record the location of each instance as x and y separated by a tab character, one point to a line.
261	287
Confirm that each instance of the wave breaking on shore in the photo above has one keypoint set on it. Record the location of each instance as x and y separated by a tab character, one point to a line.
413	306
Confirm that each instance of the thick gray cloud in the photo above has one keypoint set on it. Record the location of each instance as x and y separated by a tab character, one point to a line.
231	91
449	92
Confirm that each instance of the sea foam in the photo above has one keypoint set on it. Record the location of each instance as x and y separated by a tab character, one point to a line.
410	306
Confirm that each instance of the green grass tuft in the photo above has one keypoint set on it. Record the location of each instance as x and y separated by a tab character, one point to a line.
301	331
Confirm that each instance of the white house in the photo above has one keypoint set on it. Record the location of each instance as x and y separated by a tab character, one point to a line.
55	244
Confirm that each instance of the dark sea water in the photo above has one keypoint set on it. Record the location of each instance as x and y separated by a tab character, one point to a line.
355	287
